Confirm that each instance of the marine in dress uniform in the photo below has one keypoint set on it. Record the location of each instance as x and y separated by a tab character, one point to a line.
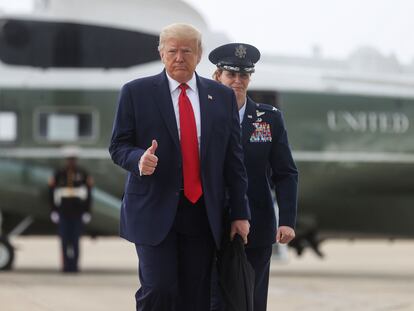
268	161
70	200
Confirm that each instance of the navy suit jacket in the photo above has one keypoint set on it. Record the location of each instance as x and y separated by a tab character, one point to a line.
145	112
269	164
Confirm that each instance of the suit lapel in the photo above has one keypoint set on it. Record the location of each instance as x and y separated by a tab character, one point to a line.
163	99
247	123
206	112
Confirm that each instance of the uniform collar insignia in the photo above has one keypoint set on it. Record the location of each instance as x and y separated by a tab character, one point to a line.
209	96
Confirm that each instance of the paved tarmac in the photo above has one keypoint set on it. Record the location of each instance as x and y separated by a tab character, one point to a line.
355	276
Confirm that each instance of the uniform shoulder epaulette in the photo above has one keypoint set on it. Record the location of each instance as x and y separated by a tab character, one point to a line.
266	107
60	171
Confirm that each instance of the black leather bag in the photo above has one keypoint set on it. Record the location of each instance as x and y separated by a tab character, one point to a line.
236	276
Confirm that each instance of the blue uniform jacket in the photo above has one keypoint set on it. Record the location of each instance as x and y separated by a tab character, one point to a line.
269	163
145	112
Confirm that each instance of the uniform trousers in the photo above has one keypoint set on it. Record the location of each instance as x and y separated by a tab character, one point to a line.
176	274
70	230
259	258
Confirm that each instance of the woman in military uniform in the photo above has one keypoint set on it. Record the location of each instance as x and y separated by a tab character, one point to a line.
268	161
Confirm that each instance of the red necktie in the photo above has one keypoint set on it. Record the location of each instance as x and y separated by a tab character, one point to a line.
189	147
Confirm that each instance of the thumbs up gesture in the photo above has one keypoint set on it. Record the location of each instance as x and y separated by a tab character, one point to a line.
149	160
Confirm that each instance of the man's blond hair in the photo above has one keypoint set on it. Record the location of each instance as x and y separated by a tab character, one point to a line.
180	31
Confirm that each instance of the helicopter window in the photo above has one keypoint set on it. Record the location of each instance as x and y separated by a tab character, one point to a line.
8	126
71	45
66	126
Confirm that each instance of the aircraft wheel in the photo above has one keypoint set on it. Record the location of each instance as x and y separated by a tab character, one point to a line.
6	254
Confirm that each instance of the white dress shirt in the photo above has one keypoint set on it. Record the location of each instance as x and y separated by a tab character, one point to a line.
192	93
242	111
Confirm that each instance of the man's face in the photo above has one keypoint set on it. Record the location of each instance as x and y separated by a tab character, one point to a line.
71	162
239	82
180	57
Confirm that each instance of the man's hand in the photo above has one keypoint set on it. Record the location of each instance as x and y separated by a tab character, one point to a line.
86	218
285	234
240	227
54	217
149	160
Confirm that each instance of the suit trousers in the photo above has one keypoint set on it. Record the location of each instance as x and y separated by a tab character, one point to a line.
175	275
259	258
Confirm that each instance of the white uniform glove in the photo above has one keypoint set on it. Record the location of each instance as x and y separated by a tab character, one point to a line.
86	218
54	217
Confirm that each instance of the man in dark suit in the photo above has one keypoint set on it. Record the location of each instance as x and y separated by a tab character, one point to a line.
178	136
268	162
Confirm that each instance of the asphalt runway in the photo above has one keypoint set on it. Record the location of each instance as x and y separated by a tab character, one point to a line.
355	276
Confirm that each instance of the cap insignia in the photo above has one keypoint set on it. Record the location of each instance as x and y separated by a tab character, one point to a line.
240	51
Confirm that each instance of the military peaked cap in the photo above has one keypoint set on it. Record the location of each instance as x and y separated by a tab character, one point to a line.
236	57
